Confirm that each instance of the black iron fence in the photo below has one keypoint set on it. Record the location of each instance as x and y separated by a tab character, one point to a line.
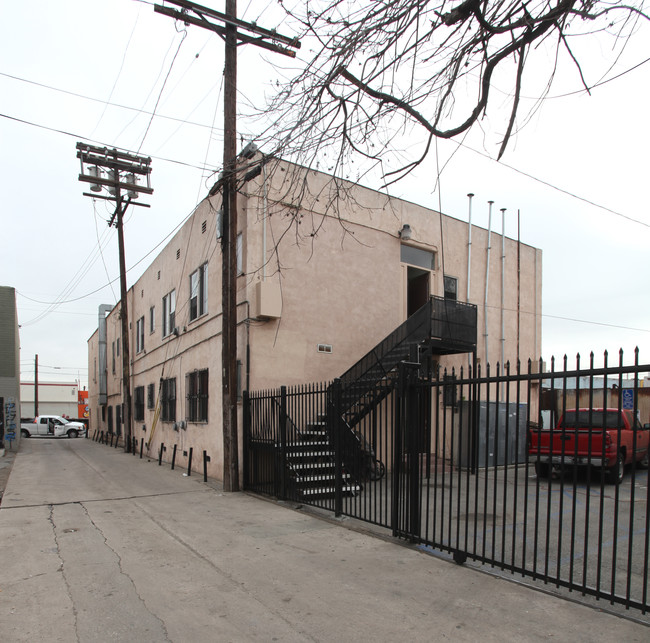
482	465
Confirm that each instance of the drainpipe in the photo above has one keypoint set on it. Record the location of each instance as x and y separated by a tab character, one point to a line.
265	212
503	285
104	309
469	246
487	280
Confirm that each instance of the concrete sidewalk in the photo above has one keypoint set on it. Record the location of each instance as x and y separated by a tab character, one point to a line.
97	545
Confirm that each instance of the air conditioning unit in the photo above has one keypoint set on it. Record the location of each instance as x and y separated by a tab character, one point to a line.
268	300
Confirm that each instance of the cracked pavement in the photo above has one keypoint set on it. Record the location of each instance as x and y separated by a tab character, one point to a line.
97	545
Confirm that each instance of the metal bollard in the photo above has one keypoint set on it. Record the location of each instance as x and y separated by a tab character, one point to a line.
174	456
206	459
141	445
189	463
162	448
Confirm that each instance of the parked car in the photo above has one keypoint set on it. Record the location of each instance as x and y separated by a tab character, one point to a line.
607	439
51	425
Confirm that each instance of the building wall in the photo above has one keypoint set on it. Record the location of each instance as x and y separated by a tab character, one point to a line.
330	252
9	365
55	398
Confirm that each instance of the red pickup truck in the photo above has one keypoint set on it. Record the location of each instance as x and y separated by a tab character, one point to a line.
607	439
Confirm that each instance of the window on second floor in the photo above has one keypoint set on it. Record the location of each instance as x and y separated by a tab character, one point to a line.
199	292
139	335
168	313
113	358
240	254
168	400
451	288
152	319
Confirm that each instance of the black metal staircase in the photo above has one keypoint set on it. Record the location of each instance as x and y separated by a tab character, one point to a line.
439	327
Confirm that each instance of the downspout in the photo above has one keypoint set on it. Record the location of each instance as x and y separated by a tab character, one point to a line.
487	280
104	309
469	258
469	246
265	212
503	285
519	279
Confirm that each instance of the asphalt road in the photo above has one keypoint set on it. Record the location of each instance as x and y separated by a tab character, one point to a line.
97	545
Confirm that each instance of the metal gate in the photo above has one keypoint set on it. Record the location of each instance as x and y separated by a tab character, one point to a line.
453	470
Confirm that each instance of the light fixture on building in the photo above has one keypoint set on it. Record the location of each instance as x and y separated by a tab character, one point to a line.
405	232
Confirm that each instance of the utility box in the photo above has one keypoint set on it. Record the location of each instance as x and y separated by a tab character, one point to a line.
500	435
268	300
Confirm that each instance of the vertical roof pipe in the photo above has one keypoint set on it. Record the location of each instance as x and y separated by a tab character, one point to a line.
104	309
469	246
487	281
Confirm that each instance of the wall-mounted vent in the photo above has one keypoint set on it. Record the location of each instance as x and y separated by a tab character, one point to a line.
324	348
159	275
178	254
204	227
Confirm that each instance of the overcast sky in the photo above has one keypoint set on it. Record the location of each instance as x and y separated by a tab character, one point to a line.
94	70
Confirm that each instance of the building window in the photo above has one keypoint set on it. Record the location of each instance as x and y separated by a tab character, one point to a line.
113	357
199	292
240	258
109	421
151	396
196	384
168	400
169	313
451	288
118	419
117	345
138	403
152	319
418	257
139	335
449	391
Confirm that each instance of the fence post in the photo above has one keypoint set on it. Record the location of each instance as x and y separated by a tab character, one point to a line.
334	414
283	442
246	421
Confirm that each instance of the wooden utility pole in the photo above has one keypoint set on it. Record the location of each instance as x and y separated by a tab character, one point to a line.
122	170
36	386
229	259
192	13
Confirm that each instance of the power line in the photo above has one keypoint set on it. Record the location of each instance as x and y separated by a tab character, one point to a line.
107	103
100	143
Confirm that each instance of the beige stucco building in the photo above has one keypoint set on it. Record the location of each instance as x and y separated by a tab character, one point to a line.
325	274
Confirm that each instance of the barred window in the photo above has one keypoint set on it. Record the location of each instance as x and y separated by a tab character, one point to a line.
151	396
138	403
168	400
196	385
118	419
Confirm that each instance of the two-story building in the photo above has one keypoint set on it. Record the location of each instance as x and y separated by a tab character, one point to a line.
326	269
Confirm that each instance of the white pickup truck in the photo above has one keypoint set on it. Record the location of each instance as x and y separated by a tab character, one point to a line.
52	425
